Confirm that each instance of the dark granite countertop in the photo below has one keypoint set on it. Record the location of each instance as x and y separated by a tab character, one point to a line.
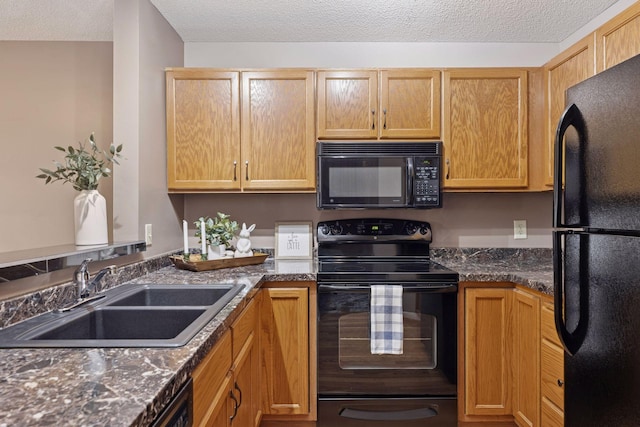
531	268
123	386
129	387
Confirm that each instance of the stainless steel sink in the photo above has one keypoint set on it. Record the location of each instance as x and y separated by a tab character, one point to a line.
128	316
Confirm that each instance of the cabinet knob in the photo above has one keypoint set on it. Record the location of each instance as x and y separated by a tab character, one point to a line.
560	383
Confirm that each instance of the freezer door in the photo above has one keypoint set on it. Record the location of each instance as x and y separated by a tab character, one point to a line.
599	309
602	160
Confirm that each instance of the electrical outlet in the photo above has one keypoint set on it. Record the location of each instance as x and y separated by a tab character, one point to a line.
520	229
148	234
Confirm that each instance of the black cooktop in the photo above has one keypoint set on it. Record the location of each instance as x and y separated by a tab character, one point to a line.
384	271
378	250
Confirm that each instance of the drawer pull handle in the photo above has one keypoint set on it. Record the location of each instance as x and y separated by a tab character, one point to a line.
235	406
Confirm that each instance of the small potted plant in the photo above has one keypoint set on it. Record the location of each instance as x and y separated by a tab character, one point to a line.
219	232
83	168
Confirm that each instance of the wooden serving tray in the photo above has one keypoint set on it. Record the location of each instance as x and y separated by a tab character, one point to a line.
215	264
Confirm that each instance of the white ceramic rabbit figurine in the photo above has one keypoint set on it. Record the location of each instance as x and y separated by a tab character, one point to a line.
243	245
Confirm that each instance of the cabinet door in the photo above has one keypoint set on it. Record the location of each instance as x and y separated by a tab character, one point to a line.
285	351
211	383
571	67
526	358
618	39
347	103
246	380
409	104
203	129
246	366
485	128
278	140
487	351
221	406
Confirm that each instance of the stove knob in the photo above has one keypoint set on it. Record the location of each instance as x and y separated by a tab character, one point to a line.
324	229
411	228
424	230
336	229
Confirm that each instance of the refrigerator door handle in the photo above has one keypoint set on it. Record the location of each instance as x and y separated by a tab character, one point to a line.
570	117
571	341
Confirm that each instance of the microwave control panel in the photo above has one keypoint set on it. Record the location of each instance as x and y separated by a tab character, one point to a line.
426	181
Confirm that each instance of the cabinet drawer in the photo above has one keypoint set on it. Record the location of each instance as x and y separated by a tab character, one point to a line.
548	324
244	326
552	416
552	373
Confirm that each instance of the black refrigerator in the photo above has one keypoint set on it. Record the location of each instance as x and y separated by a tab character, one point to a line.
596	248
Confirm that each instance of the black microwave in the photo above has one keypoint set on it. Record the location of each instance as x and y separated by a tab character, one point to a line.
373	175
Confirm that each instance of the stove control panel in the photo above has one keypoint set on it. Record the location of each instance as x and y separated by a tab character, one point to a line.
371	229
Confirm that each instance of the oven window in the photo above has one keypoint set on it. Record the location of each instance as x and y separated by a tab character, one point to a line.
419	343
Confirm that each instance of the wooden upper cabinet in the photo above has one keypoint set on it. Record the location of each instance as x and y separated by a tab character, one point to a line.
409	104
203	129
565	70
385	104
347	104
278	139
485	128
618	39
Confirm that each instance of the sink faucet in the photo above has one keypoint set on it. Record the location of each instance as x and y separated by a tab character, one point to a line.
82	280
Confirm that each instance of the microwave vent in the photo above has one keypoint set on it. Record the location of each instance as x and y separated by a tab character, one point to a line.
364	149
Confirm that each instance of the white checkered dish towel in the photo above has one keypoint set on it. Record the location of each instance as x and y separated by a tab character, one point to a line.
386	319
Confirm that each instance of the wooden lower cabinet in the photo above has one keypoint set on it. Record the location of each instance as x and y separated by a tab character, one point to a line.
264	364
288	352
526	358
211	382
511	365
226	384
487	354
552	370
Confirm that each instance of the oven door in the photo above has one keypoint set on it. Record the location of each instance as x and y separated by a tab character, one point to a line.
364	182
427	367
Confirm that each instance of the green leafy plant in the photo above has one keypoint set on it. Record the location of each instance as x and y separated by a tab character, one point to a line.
219	230
83	167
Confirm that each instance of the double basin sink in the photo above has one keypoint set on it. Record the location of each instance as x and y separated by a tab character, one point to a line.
135	315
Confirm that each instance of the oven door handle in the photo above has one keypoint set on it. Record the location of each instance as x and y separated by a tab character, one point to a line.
436	289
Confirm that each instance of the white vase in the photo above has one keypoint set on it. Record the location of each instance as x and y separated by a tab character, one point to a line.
216	251
90	218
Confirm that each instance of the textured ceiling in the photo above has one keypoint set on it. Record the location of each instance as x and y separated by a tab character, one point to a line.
517	21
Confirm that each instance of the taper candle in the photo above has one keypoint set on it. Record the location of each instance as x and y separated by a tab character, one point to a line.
203	238
185	236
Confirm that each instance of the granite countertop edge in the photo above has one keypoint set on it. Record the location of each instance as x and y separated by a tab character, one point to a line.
45	386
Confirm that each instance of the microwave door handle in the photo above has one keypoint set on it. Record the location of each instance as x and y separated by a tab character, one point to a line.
409	193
